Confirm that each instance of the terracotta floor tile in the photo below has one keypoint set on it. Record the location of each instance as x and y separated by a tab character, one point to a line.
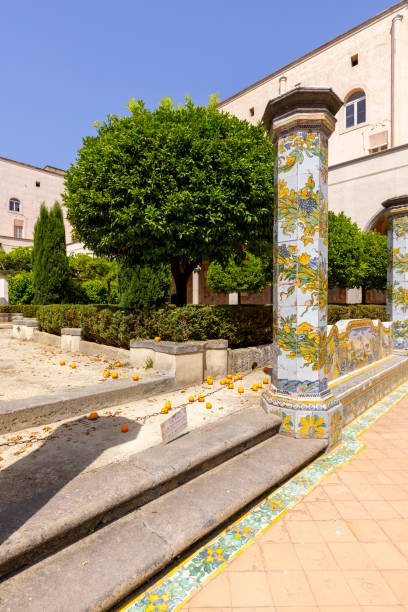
303	531
251	609
323	510
386	556
350	478
381	509
333	478
367	530
330	588
317	494
280	556
382	609
335	531
250	589
296	609
340	492
403	547
401	507
216	592
398	582
315	556
392	492
290	589
378	477
351	556
340	609
351	509
299	512
396	529
207	609
370	588
366	492
397	477
249	560
276	533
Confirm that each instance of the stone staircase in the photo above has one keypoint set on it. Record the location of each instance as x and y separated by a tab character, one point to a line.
87	543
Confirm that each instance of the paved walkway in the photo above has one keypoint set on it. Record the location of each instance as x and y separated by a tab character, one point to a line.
343	547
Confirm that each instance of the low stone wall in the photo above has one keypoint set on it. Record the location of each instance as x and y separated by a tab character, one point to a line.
245	359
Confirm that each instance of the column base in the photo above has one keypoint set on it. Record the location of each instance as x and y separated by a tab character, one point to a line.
307	416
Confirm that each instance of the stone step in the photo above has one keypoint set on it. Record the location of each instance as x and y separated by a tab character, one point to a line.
47	501
97	572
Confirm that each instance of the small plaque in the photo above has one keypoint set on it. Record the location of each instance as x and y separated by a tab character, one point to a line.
174	426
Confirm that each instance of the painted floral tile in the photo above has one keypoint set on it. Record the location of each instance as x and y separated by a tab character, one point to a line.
172	592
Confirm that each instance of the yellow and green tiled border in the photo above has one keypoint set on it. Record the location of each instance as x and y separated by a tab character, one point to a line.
172	592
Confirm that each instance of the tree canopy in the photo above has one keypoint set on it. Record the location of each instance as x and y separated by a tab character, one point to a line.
18	260
251	275
177	185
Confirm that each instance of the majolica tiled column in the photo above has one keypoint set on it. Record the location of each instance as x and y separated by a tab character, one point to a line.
301	122
397	276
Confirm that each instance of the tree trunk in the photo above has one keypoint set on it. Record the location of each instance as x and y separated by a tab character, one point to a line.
181	273
239	298
363	295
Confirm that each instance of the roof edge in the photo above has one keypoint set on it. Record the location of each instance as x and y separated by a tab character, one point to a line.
56	172
303	58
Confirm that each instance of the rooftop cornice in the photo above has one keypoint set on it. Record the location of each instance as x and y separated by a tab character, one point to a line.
303	58
57	172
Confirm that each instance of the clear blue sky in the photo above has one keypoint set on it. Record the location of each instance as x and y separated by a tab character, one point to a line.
67	64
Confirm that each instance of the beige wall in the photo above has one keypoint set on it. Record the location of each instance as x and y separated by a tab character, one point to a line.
330	66
19	181
359	187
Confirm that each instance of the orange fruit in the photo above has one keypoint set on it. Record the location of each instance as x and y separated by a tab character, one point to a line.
135	377
254	387
210	381
93	416
167	405
230	386
236	377
239	376
115	374
157	339
266	381
229	376
266	369
106	374
124	428
73	366
164	410
240	389
117	364
208	405
200	398
191	398
223	381
62	362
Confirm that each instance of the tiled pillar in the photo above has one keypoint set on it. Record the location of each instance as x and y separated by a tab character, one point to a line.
397	277
301	121
196	285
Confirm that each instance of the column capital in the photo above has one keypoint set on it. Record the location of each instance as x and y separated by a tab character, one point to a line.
398	17
396	205
302	107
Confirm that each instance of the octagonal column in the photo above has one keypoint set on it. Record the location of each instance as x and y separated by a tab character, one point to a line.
397	274
301	121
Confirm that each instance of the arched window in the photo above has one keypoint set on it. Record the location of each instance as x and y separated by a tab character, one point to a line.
356	109
14	205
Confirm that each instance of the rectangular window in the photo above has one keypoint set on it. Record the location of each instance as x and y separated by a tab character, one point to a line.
349	115
361	111
18	231
14	205
354	60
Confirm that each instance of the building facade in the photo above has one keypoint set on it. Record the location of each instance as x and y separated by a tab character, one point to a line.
367	67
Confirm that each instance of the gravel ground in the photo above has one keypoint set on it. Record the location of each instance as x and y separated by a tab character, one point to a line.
101	441
30	368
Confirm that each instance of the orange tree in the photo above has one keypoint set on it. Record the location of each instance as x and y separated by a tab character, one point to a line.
177	185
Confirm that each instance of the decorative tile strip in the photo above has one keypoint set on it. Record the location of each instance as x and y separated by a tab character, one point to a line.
172	592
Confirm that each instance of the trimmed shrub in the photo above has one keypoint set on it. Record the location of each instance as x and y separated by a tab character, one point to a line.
28	310
94	292
143	286
336	312
242	326
20	288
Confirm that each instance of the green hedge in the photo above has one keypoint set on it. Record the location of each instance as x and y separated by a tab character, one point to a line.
28	310
356	311
241	325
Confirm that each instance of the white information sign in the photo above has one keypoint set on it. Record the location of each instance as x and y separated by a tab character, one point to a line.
174	426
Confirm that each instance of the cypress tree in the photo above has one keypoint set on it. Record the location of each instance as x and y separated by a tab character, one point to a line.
50	262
